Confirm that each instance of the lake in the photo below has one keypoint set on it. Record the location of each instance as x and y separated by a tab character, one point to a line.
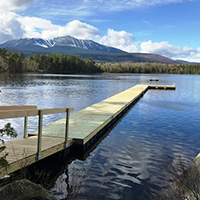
128	163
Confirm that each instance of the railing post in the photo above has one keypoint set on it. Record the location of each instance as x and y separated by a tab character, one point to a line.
39	143
66	126
25	126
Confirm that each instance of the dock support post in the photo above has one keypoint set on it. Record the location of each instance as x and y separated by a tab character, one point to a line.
25	126
66	127
39	144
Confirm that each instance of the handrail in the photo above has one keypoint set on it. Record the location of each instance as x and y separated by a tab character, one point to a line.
18	107
27	111
5	114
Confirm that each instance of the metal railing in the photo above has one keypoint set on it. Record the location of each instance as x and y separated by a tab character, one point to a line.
27	111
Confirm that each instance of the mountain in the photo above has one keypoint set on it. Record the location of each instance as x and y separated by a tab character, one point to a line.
188	62
60	44
83	48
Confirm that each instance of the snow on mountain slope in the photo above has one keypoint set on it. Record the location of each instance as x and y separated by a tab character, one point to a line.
66	41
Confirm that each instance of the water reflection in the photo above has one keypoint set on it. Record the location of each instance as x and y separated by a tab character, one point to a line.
128	163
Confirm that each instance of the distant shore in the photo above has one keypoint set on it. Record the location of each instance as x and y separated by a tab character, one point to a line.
13	62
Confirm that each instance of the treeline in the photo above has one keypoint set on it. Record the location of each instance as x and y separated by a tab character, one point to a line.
57	63
11	61
157	68
14	62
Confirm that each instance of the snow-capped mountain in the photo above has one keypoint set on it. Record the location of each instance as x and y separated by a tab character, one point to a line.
27	44
83	48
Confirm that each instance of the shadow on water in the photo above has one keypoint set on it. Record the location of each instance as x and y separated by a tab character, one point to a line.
48	170
127	160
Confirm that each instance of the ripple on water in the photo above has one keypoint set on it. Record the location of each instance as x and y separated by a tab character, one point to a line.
129	163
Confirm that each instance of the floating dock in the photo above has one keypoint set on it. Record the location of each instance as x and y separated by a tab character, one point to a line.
153	79
83	127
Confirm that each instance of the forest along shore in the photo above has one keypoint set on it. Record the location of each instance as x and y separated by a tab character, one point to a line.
14	62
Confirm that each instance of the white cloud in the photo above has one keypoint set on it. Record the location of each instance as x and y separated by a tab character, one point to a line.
10	27
74	28
35	27
13	26
14	4
82	8
165	49
119	39
119	5
48	30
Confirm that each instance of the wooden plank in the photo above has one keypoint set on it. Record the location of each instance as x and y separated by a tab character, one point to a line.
17	113
165	87
83	125
23	152
26	107
124	97
56	110
4	114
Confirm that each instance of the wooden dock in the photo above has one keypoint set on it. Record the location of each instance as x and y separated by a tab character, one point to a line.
83	126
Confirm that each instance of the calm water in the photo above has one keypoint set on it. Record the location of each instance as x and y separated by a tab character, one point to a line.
128	163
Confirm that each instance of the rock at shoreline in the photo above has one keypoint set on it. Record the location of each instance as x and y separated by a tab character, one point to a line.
24	190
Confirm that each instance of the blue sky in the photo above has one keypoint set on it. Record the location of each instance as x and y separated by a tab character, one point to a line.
167	27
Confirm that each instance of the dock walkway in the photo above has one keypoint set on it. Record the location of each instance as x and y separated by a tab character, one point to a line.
83	126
